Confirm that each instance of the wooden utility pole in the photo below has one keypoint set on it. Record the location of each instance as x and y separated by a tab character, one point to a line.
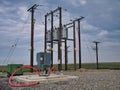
74	37
66	54
32	9
60	40
69	25
79	41
96	44
45	36
51	38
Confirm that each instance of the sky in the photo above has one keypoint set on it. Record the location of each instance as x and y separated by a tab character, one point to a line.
101	23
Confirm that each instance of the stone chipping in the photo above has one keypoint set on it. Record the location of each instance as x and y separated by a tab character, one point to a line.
87	80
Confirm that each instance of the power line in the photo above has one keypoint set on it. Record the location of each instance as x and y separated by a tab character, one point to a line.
13	46
88	44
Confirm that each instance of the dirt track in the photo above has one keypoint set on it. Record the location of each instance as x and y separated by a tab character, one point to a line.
87	80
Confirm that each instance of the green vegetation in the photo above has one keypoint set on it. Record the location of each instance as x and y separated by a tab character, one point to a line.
3	68
84	65
2	76
109	65
113	65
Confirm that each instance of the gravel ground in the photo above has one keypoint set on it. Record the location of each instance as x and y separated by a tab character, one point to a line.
87	80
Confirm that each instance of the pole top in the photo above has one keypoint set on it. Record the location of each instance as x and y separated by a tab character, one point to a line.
33	7
96	42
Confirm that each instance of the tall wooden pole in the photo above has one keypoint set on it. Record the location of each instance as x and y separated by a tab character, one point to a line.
32	34
60	40
66	54
96	44
79	43
51	38
79	40
45	35
74	37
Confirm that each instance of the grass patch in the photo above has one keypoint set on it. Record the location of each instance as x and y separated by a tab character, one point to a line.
111	65
2	76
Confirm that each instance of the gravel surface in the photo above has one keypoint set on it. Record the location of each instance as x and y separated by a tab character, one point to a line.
87	80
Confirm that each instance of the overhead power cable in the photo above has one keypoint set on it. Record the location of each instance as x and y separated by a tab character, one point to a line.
13	46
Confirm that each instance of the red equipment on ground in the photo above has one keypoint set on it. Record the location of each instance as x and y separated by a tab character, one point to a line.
23	85
31	84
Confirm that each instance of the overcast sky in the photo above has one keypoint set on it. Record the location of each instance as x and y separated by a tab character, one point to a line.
101	23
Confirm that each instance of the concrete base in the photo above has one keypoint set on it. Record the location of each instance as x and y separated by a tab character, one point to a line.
43	79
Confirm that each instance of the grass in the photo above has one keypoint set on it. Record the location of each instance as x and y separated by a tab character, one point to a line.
2	76
111	65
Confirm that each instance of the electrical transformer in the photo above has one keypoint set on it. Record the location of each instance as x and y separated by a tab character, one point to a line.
43	60
48	36
56	34
64	33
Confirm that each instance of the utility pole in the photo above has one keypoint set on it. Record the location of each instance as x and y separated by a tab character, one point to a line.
74	37
79	39
60	40
66	54
69	25
45	36
96	44
51	38
32	9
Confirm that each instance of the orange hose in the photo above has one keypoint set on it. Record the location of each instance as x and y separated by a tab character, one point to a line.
23	85
52	69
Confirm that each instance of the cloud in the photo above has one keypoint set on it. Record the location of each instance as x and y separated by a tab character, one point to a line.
101	23
4	2
77	3
110	43
22	12
105	14
103	33
88	27
1	10
39	31
83	2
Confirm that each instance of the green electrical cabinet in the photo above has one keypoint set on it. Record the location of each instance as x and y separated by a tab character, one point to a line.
12	67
